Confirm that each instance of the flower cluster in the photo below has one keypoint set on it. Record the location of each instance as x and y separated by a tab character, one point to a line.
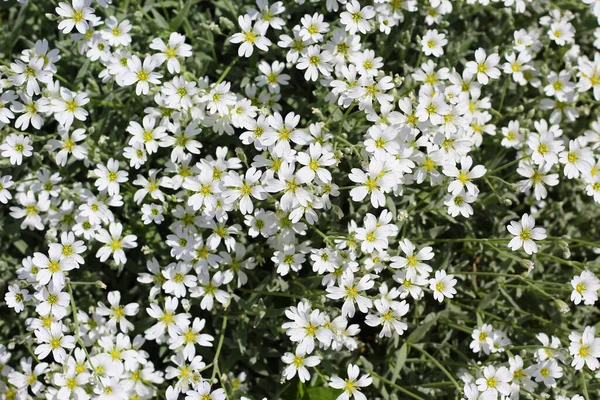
357	180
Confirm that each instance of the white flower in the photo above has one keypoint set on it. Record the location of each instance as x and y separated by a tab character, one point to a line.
356	19
314	62
537	178
375	182
53	340
31	73
494	381
413	263
484	66
297	364
352	292
272	76
315	163
547	372
288	259
168	320
464	177
585	349
30	112
208	289
460	204
578	159
525	233
16	297
306	326
114	243
189	336
142	74
117	33
75	16
388	315
117	313
6	182
243	187
178	279
15	147
545	148
203	392
433	43
352	385
561	32
53	266
442	286
205	191
290	183
517	66
109	177
585	288
283	131
313	27
68	144
31	210
72	383
152	213
482	339
251	35
268	13
52	301
171	52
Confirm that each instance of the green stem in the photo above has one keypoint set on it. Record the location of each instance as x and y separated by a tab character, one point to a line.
437	364
76	322
396	386
584	384
219	346
224	74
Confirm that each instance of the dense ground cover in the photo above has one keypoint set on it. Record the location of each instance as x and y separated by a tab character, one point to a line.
299	200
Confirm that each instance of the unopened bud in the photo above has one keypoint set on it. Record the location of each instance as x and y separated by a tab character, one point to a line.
562	306
528	264
226	23
186	305
402	215
241	155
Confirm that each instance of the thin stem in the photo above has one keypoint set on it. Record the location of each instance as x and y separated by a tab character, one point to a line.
395	386
437	364
219	346
76	321
28	346
224	74
584	384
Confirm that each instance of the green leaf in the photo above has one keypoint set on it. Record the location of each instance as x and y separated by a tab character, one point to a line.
322	393
183	13
400	356
21	246
422	329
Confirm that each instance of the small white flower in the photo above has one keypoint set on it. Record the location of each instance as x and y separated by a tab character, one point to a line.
352	385
297	364
433	43
114	243
525	233
484	67
442	286
251	35
15	147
